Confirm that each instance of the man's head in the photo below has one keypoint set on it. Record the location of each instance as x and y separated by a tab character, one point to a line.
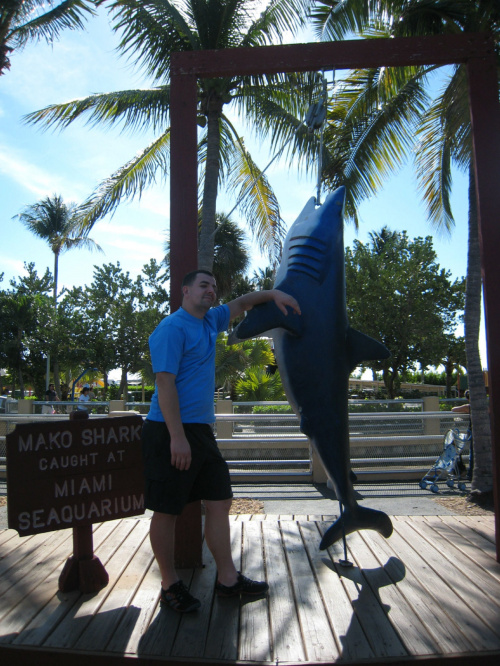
199	292
51	387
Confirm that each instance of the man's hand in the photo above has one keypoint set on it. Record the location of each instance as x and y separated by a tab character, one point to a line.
180	451
283	300
253	298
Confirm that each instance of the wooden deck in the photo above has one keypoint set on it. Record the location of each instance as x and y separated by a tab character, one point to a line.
429	592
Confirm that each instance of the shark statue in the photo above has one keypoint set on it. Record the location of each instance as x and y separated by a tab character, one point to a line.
317	350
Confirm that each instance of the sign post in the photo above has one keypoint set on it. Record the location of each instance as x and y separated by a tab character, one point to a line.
73	474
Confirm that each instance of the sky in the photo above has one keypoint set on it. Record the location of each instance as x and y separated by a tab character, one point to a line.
35	163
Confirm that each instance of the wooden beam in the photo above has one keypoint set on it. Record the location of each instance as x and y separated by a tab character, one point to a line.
349	54
485	120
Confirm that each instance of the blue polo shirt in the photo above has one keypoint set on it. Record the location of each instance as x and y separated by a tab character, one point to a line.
185	346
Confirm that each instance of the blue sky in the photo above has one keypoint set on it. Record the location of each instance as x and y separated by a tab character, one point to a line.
71	162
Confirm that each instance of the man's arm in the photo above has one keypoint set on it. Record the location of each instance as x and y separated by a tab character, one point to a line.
168	400
248	301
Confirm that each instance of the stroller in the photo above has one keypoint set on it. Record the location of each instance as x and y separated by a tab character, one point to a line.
449	467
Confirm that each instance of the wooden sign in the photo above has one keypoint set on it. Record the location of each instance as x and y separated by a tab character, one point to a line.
73	473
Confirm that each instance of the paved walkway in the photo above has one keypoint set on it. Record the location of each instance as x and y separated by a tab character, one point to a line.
396	499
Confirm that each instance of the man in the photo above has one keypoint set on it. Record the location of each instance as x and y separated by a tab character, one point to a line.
181	458
50	396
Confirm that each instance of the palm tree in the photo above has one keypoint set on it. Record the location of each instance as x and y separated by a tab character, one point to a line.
23	21
231	255
381	115
58	224
151	30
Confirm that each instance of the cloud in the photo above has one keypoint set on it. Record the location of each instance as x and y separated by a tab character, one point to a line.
34	178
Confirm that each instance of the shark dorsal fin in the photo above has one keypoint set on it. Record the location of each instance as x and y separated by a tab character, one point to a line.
361	347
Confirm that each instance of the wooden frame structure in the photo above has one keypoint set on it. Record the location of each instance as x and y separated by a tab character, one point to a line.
476	50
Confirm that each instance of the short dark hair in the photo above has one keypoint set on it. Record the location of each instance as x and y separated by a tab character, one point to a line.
189	278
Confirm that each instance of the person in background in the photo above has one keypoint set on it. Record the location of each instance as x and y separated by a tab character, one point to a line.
50	396
83	398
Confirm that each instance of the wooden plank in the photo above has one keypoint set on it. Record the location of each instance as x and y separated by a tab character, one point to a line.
137	616
18	581
285	629
456	599
99	630
159	637
7	535
20	559
23	601
418	583
254	641
442	559
222	638
484	525
380	634
51	605
350	637
481	534
318	637
465	564
192	634
116	553
468	547
410	629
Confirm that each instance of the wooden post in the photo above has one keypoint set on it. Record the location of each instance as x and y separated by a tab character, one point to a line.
83	570
184	258
485	120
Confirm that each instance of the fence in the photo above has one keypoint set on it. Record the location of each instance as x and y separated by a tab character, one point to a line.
400	440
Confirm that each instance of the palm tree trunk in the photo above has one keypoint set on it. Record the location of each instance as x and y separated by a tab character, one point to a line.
207	232
482	479
55	362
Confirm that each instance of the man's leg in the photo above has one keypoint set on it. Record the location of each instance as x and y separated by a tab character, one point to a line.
218	537
162	536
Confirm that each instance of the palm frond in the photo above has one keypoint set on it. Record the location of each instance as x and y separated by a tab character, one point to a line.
257	201
150	32
129	181
140	108
69	14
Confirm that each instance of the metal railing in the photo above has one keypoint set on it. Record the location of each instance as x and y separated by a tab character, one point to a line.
382	444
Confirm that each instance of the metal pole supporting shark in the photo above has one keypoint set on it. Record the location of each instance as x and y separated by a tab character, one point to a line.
317	350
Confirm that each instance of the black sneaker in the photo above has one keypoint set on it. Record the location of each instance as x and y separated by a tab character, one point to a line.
179	598
242	586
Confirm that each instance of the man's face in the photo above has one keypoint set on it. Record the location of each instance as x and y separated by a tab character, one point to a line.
202	294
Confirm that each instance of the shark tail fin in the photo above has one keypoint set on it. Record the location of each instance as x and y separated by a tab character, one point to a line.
357	518
361	347
265	317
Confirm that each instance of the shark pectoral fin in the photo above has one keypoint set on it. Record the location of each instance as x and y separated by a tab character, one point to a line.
265	317
361	347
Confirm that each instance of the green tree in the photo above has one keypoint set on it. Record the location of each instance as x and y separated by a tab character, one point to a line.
383	115
118	315
231	255
58	225
25	315
231	361
398	294
24	21
150	31
257	384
